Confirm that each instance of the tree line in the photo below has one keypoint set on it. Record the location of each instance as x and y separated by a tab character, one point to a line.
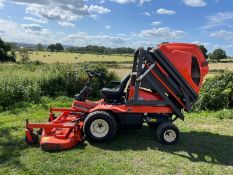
101	50
217	55
58	47
8	51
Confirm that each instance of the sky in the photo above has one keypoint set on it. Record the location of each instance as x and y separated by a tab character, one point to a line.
118	23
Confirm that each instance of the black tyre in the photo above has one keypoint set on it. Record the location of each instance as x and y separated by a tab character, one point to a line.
35	139
167	133
100	126
152	125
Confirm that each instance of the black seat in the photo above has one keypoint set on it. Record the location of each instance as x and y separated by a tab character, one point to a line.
114	94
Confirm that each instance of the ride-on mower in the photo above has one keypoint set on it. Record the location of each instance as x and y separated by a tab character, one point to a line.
164	81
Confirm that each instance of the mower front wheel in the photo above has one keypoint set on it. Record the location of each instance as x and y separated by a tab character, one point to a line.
167	133
100	126
34	139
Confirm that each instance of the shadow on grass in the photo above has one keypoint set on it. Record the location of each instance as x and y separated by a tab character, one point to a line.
10	147
195	146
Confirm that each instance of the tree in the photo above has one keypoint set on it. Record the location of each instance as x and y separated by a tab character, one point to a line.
5	46
51	47
4	49
59	47
2	54
39	47
24	56
55	47
204	51
218	55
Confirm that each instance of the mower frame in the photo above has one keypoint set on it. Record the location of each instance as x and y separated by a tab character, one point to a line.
159	87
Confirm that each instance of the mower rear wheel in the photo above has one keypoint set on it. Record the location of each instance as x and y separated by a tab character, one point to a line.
100	126
167	133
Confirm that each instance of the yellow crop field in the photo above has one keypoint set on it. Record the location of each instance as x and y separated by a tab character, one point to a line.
65	57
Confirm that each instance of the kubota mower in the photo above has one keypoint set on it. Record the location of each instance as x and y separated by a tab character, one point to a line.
164	81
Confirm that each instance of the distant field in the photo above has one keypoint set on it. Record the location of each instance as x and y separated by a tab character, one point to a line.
63	57
221	66
123	68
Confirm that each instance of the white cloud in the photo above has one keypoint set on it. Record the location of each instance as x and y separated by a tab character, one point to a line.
35	20
147	14
1	4
28	33
140	2
66	24
155	23
218	19
98	9
163	11
142	43
222	34
32	27
61	10
34	33
201	43
83	39
164	33
143	1
195	3
123	1
107	27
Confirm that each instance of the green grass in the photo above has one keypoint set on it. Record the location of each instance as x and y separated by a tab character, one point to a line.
205	147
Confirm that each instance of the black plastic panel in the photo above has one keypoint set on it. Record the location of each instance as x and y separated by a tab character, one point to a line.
130	120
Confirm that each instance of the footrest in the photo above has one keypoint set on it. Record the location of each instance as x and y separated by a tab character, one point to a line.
69	124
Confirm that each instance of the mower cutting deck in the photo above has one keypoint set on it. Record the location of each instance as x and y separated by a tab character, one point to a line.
164	81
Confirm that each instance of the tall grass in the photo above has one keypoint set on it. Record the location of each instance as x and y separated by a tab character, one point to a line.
28	83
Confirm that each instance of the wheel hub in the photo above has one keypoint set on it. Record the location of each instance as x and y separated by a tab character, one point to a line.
99	128
169	135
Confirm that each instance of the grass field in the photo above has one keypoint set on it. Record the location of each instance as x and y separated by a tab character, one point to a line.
65	57
205	147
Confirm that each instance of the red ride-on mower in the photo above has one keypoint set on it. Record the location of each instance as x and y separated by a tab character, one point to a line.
164	81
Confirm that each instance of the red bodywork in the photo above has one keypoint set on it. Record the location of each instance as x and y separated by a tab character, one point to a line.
180	54
66	131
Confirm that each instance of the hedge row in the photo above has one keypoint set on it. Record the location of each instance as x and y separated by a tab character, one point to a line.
217	92
28	83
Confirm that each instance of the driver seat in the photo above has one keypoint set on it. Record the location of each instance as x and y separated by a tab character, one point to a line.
115	94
